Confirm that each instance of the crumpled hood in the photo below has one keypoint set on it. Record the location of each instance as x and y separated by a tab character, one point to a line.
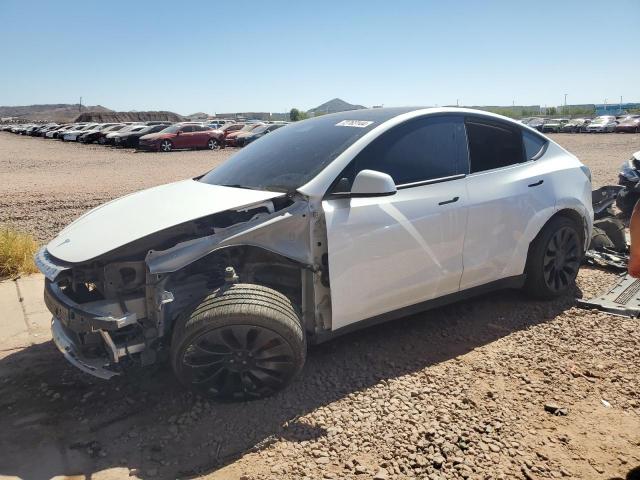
121	221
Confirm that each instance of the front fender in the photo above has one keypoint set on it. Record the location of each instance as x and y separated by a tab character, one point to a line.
285	232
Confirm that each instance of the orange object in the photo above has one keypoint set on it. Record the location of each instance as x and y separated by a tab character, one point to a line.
634	229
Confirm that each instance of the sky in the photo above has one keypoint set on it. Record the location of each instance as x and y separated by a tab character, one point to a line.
273	55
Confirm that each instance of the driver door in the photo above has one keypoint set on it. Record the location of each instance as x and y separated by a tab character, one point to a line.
390	252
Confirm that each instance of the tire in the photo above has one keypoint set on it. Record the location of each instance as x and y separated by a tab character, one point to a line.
614	230
600	240
626	200
242	342
213	144
554	259
166	146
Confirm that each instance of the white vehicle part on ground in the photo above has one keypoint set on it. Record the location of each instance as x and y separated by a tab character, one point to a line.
121	221
393	251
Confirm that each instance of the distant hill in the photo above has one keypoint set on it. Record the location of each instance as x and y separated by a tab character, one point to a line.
111	116
57	112
335	105
197	116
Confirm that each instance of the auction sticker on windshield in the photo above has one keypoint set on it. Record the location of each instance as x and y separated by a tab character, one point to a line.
354	123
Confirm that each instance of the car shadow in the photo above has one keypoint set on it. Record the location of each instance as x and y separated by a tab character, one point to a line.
58	421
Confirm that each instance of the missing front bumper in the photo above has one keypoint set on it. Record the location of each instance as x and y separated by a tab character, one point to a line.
98	367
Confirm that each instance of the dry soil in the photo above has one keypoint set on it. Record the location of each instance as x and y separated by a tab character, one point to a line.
458	392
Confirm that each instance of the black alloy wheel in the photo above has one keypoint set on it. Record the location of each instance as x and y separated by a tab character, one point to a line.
561	259
238	359
242	342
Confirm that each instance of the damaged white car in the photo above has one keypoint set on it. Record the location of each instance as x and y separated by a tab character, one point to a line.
321	227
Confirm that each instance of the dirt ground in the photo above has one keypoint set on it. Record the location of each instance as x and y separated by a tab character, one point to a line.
457	392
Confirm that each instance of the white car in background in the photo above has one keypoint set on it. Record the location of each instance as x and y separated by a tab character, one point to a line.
57	131
110	137
602	124
319	228
73	134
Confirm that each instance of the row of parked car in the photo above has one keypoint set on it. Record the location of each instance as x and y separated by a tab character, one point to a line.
155	136
601	124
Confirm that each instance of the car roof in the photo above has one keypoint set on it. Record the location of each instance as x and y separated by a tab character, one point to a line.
385	119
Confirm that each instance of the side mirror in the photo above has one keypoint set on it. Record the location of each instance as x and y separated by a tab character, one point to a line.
179	132
369	183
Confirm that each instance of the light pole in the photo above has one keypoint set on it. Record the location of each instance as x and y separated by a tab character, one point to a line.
565	105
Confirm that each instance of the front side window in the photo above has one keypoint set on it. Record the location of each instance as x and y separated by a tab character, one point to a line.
493	144
418	150
187	129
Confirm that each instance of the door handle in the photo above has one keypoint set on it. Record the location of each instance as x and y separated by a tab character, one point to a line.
453	200
539	182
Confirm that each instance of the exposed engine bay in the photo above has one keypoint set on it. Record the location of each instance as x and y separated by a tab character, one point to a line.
120	308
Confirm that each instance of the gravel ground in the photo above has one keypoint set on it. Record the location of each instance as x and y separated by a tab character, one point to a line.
459	392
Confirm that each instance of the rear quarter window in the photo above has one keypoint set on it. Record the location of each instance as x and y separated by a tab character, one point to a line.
534	145
493	144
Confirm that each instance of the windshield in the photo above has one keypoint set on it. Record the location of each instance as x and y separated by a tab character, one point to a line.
260	129
292	155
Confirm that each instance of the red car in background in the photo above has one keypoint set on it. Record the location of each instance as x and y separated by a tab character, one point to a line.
230	128
629	124
182	136
231	138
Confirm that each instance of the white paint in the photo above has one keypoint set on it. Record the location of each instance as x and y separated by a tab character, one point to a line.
389	252
369	182
139	214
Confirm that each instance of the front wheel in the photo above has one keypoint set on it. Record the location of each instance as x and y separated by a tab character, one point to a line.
554	259
166	146
242	342
213	144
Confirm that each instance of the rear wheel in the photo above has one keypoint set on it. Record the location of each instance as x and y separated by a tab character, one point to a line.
213	144
242	342
166	146
554	259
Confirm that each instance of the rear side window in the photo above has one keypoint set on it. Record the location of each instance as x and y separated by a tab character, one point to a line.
534	145
493	144
418	150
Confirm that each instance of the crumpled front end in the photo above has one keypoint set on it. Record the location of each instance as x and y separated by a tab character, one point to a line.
100	320
118	309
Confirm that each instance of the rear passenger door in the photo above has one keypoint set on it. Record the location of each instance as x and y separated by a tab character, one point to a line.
200	136
185	139
510	196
